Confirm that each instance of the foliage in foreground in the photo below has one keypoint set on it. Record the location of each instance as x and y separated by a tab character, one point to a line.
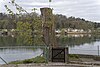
37	59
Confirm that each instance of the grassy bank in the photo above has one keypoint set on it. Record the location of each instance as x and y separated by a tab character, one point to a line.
85	58
37	59
71	57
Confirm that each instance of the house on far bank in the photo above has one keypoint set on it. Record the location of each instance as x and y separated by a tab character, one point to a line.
58	31
81	31
73	31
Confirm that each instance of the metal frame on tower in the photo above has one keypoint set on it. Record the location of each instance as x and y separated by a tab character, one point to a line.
49	3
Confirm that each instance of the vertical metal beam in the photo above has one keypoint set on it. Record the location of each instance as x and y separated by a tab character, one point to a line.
98	50
66	54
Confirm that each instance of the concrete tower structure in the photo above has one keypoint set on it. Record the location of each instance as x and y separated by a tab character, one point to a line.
48	26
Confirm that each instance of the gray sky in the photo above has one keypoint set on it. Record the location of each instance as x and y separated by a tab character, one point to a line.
87	9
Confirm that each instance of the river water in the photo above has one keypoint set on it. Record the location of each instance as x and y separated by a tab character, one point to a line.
12	50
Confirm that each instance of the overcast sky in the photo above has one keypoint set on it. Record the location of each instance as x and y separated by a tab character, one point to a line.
87	9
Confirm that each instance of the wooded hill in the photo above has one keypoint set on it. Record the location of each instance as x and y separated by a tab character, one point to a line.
75	23
8	21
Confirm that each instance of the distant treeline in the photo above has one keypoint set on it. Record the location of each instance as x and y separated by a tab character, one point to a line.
8	21
75	23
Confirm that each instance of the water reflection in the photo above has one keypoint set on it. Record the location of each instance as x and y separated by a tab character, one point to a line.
70	40
78	44
13	54
73	40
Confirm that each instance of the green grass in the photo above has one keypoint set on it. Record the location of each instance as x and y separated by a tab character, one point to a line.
73	57
37	59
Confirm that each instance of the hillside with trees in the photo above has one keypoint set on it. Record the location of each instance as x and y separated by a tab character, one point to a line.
75	23
8	21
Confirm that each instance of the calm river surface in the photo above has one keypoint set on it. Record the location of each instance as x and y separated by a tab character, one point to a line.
12	50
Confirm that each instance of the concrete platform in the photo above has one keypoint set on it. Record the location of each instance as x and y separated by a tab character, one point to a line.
51	65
